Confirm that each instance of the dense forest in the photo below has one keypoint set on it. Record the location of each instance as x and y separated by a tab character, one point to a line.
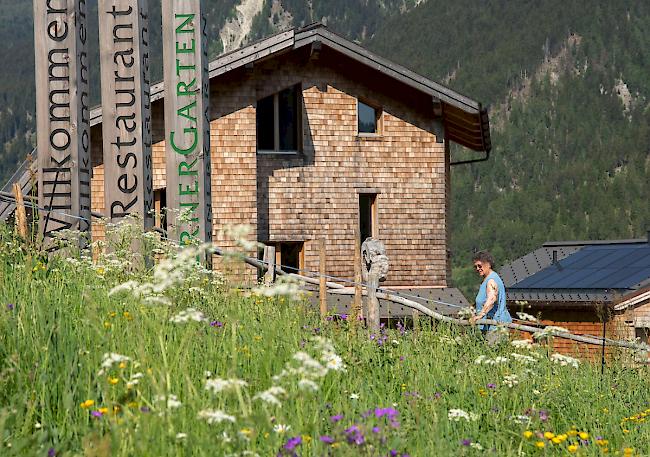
566	84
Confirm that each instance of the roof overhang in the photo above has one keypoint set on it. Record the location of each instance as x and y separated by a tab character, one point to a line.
466	121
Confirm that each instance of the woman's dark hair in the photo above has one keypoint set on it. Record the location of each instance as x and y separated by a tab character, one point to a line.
483	256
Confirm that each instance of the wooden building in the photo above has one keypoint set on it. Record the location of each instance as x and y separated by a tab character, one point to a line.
311	135
588	287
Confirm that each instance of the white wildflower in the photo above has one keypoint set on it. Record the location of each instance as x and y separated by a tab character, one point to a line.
526	359
354	396
215	416
511	380
171	401
536	392
281	428
307	384
219	385
520	419
549	330
527	317
225	437
181	436
271	395
190	314
109	359
564	360
134	380
285	286
522	344
480	359
333	361
457	414
207	374
476	446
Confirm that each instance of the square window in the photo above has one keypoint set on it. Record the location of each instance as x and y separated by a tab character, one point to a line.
278	121
367	118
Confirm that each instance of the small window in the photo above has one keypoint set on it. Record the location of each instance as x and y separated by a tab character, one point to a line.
278	121
160	206
643	333
367	216
368	119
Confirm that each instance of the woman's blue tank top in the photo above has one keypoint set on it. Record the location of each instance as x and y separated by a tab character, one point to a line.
499	311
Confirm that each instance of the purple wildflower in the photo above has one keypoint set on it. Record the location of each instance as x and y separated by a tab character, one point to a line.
543	415
216	324
51	452
344	316
293	443
354	435
491	386
96	413
327	439
376	430
10	306
144	409
466	442
329	318
401	358
388	412
438	395
336	418
393	453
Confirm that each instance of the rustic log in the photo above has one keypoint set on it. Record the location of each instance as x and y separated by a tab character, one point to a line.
322	270
21	216
357	310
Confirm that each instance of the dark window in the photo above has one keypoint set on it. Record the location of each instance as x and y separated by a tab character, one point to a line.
643	333
368	118
278	121
291	256
367	215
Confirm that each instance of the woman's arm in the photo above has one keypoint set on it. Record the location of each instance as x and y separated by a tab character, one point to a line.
492	293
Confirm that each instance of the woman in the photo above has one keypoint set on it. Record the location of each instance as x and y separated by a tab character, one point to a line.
491	297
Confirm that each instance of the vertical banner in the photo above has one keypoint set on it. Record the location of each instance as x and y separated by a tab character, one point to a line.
187	122
62	116
126	109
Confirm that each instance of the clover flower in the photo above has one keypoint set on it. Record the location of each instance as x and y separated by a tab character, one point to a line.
215	416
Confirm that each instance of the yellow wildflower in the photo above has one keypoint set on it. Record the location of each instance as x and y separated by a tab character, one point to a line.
112	314
127	315
87	403
628	451
266	434
572	448
113	381
540	444
122	365
563	437
556	440
132	404
306	438
246	431
107	324
572	432
602	442
257	338
528	434
116	409
103	410
549	435
626	430
583	435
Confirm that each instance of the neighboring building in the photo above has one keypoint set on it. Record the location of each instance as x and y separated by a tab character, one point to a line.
588	287
311	135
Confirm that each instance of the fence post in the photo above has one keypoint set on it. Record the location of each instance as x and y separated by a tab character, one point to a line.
322	269
269	261
357	310
373	302
21	216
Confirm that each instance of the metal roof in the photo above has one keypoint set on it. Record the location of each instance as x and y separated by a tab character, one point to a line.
599	271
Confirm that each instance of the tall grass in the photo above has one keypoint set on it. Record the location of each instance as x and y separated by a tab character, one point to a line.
57	321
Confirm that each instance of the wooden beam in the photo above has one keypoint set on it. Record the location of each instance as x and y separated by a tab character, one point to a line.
126	109
62	117
187	121
357	311
21	216
322	285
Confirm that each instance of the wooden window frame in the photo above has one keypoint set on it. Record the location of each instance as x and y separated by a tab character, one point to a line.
379	119
374	213
276	123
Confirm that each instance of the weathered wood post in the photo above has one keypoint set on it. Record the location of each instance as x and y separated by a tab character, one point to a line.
269	261
21	216
322	284
126	109
375	269
62	116
187	121
357	306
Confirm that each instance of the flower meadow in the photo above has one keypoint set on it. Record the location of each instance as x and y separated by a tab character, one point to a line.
99	358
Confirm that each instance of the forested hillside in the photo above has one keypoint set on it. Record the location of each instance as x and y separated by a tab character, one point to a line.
567	85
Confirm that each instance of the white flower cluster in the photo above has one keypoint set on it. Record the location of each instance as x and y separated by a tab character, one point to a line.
522	344
527	317
109	359
215	416
467	312
240	234
520	419
219	385
190	314
285	286
171	401
564	360
511	380
457	415
525	359
271	395
484	360
549	330
134	380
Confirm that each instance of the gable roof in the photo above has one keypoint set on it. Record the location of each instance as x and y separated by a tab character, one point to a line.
583	271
